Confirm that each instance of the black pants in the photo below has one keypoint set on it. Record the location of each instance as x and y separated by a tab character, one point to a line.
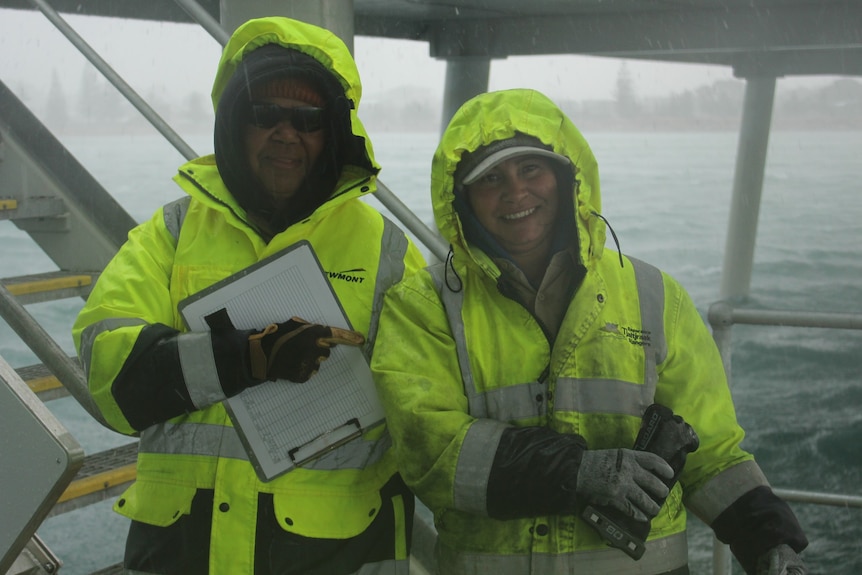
183	548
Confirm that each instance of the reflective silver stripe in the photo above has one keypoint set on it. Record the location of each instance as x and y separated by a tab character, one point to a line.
600	396
651	299
199	368
174	214
390	270
474	465
209	440
515	402
192	439
91	332
718	493
661	555
452	302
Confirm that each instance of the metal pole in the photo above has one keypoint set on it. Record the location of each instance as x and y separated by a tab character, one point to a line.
820	498
747	187
205	19
426	235
114	78
47	350
721	557
465	78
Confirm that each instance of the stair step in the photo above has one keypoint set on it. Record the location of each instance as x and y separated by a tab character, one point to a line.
50	286
32	208
42	382
8	204
104	475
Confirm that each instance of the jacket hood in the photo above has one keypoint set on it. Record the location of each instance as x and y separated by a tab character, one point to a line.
267	48
501	115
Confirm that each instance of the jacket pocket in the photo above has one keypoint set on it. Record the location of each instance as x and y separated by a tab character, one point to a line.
156	504
326	517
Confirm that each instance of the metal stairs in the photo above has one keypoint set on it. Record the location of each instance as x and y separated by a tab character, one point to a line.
47	194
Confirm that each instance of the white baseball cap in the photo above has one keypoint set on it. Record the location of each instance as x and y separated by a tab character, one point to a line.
485	158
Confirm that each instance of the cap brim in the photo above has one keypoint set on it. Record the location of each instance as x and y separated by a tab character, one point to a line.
507	153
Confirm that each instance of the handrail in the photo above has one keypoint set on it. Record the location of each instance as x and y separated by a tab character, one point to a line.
722	315
426	235
47	350
206	21
819	498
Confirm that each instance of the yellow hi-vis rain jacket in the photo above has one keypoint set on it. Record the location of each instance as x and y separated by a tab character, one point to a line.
456	367
193	243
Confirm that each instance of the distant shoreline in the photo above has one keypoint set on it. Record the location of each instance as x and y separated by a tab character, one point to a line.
646	126
714	108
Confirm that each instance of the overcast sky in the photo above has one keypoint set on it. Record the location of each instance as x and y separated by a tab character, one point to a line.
183	57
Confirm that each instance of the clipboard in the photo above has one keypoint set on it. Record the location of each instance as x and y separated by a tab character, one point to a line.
283	425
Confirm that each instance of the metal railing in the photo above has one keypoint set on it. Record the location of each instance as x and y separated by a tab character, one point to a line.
722	317
47	350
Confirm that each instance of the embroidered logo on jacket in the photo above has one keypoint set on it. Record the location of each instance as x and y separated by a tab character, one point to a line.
348	275
634	336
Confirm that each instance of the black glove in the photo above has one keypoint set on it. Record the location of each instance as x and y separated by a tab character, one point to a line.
631	481
294	349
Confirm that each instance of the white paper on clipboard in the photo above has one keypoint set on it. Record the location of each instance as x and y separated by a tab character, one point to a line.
284	424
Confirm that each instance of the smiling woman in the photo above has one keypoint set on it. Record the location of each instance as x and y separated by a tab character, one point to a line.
513	190
533	339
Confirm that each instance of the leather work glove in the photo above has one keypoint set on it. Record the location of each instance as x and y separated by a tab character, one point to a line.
628	480
294	349
781	560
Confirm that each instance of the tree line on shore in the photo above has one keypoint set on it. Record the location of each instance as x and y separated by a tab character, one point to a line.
96	107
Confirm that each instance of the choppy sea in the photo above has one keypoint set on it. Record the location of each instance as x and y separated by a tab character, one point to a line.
798	391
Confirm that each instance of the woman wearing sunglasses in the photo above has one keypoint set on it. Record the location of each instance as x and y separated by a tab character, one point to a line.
291	163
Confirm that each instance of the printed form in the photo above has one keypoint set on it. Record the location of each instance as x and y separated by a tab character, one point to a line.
284	424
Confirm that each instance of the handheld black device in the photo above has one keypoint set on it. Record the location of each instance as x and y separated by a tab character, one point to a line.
671	438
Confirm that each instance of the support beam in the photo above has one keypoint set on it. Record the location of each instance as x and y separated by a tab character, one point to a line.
716	34
747	187
334	15
465	78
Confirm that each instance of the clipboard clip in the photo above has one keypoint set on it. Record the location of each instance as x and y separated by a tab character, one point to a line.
325	443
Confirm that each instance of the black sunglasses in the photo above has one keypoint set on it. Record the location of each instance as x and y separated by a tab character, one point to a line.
303	119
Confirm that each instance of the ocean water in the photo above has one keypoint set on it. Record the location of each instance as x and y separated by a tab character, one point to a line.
798	392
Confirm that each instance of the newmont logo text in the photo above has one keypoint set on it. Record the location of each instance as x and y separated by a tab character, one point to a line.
348	275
